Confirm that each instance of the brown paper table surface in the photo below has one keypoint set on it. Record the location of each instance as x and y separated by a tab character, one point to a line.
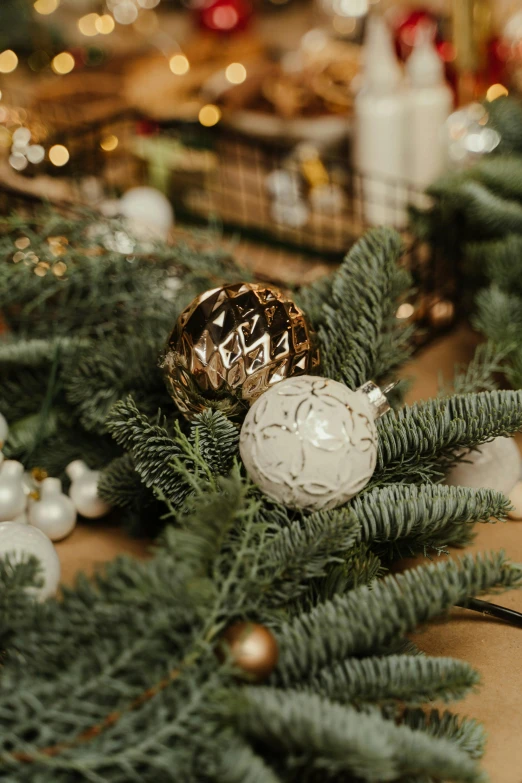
492	647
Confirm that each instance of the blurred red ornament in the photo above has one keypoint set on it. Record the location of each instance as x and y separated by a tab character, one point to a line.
146	127
224	16
406	26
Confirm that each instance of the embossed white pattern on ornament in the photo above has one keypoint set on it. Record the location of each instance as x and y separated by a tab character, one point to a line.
310	442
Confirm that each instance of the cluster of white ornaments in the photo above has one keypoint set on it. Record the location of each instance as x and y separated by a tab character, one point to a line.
311	442
28	526
494	465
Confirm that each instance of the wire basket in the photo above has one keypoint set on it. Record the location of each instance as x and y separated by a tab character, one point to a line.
292	197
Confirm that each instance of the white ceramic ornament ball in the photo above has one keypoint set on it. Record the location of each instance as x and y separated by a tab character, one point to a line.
148	212
12	496
4	430
494	465
311	442
22	541
54	513
84	490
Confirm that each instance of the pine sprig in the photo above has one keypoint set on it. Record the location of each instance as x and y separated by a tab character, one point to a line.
333	740
368	619
426	515
411	679
360	337
421	442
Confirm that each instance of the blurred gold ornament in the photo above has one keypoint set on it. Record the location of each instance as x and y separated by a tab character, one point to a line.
233	343
252	648
442	313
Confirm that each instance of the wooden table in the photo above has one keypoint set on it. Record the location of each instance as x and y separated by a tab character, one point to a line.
494	648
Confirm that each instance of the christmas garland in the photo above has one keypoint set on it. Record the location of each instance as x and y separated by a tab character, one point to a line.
257	644
476	219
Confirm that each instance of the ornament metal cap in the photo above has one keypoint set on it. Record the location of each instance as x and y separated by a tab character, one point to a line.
377	396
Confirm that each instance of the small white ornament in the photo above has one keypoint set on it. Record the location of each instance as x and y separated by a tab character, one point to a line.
4	430
54	514
311	442
148	212
21	541
515	497
84	490
294	214
494	465
12	496
283	185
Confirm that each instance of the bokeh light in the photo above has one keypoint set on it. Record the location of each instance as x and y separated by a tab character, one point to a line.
236	73
46	6
59	155
125	12
8	61
63	63
179	64
209	115
496	91
109	143
105	24
87	24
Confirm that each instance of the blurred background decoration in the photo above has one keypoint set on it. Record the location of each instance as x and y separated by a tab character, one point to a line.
298	123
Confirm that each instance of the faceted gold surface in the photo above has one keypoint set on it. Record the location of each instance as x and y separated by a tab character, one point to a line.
235	342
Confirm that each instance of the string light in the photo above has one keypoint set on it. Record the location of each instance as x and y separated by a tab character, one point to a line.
105	24
109	143
87	24
148	3
496	91
8	61
46	6
63	63
59	155
236	73
209	115
179	64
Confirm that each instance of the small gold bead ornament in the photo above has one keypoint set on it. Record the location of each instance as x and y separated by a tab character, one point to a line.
252	648
233	343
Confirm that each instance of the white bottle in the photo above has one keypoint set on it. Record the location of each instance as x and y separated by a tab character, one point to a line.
430	102
380	113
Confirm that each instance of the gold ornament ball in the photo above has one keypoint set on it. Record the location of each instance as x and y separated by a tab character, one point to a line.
233	343
252	648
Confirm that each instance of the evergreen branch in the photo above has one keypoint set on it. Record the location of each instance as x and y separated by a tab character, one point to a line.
206	524
466	733
153	450
420	442
306	549
95	381
406	511
499	316
217	438
359	334
406	678
505	116
18	352
338	740
369	619
494	258
479	374
239	763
